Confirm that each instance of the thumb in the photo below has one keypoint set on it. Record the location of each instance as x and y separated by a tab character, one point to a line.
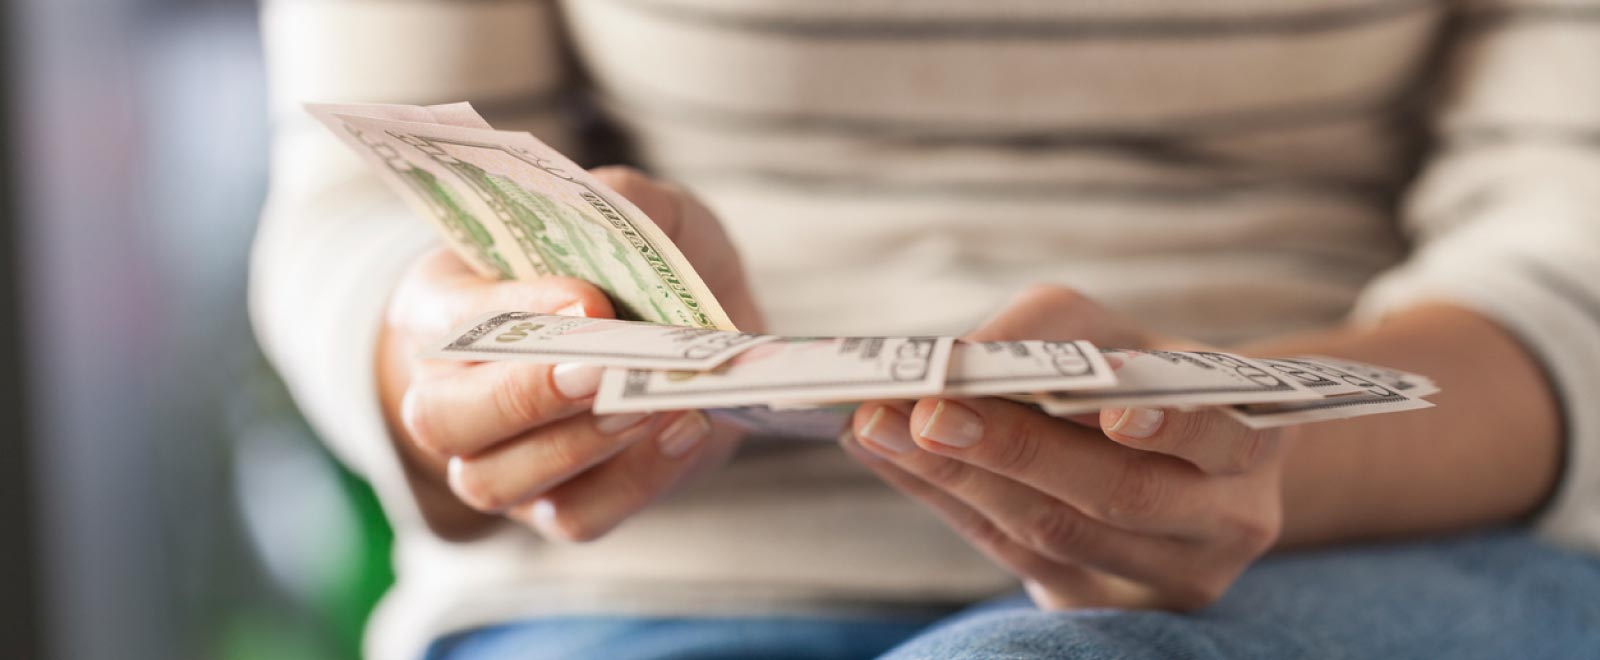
568	296
1058	313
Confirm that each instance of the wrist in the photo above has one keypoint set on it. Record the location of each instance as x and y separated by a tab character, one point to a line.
1487	454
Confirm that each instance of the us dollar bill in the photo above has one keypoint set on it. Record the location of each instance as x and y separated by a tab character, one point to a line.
1310	374
515	208
1174	379
470	233
1370	397
790	369
1009	367
549	338
448	114
1405	382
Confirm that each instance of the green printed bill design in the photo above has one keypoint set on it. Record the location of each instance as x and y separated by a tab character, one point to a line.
512	207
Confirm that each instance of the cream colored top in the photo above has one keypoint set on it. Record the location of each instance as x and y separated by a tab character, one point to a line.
1223	169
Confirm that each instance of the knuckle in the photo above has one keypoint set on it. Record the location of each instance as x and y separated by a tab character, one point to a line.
559	292
627	181
661	201
631	498
475	491
1194	594
1194	437
676	191
981	531
1244	454
1253	535
1137	496
1198	425
647	484
568	525
1258	538
1181	430
418	417
948	473
1015	451
1054	528
519	398
560	458
1054	295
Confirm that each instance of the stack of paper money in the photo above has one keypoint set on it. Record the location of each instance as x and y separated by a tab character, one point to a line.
512	207
653	367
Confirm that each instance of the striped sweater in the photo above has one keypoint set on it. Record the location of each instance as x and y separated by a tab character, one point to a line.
1222	169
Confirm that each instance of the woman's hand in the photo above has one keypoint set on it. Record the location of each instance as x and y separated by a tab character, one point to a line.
1137	508
517	439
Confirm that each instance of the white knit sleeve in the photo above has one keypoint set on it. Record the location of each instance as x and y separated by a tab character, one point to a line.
332	240
1506	215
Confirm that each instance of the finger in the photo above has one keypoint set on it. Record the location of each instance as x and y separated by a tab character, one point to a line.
1208	439
567	296
593	503
662	203
1058	313
520	469
694	229
442	263
1028	516
465	411
1057	577
1148	574
1107	591
1132	490
429	305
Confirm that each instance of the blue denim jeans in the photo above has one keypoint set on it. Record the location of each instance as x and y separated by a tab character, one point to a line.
1501	595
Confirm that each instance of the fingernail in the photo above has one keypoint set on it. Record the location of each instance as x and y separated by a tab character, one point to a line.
575	309
954	425
453	470
885	433
543	513
609	424
1138	422
543	517
576	381
683	434
847	440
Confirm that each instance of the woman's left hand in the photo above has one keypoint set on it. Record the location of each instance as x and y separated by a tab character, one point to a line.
1140	508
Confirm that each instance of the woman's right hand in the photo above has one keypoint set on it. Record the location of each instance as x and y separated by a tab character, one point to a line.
515	439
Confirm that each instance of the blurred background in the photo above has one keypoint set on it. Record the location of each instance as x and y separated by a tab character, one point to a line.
159	495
